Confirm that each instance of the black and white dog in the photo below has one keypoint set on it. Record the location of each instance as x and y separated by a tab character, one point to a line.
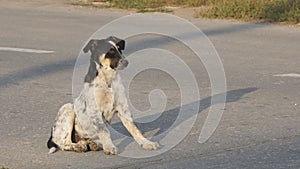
82	125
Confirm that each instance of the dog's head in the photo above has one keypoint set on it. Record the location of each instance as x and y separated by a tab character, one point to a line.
106	54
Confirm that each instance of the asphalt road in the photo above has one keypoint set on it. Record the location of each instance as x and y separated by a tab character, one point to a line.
260	127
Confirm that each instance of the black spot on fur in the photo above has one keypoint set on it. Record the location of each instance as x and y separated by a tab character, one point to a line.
50	143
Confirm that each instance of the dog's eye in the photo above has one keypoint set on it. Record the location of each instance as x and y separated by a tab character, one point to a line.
111	51
111	54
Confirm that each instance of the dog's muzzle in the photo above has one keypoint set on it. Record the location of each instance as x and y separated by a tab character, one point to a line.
123	64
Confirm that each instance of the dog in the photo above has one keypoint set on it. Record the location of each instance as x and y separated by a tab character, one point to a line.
82	126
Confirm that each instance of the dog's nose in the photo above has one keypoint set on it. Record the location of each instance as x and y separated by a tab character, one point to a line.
124	63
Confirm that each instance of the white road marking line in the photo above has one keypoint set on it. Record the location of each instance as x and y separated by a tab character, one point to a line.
25	50
288	75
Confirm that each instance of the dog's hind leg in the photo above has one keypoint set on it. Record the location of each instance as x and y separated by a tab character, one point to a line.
78	147
93	146
62	130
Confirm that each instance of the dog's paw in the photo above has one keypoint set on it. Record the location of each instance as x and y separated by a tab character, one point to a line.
149	145
93	145
80	148
110	150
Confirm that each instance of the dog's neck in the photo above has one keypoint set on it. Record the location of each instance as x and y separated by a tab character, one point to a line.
106	76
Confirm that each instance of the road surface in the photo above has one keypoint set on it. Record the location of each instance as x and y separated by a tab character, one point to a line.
260	127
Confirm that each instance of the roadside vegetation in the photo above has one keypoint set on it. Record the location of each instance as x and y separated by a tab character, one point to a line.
249	10
258	10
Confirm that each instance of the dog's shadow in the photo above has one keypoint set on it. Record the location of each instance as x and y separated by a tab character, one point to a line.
167	118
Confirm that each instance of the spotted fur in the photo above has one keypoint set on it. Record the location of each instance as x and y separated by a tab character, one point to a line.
101	98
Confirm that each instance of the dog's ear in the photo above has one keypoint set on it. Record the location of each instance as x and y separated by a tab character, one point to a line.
92	73
90	46
119	42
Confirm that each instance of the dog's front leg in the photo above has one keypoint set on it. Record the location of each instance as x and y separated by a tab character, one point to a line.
137	134
125	116
105	140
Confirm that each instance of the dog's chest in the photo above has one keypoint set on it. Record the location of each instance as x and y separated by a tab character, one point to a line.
104	97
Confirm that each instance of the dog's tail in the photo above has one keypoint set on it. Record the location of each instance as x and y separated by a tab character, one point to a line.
51	145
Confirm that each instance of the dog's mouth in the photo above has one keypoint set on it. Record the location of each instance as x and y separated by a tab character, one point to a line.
123	63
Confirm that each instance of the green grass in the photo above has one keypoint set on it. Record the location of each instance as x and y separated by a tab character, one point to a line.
163	10
257	10
138	5
283	11
249	10
91	4
144	5
157	3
